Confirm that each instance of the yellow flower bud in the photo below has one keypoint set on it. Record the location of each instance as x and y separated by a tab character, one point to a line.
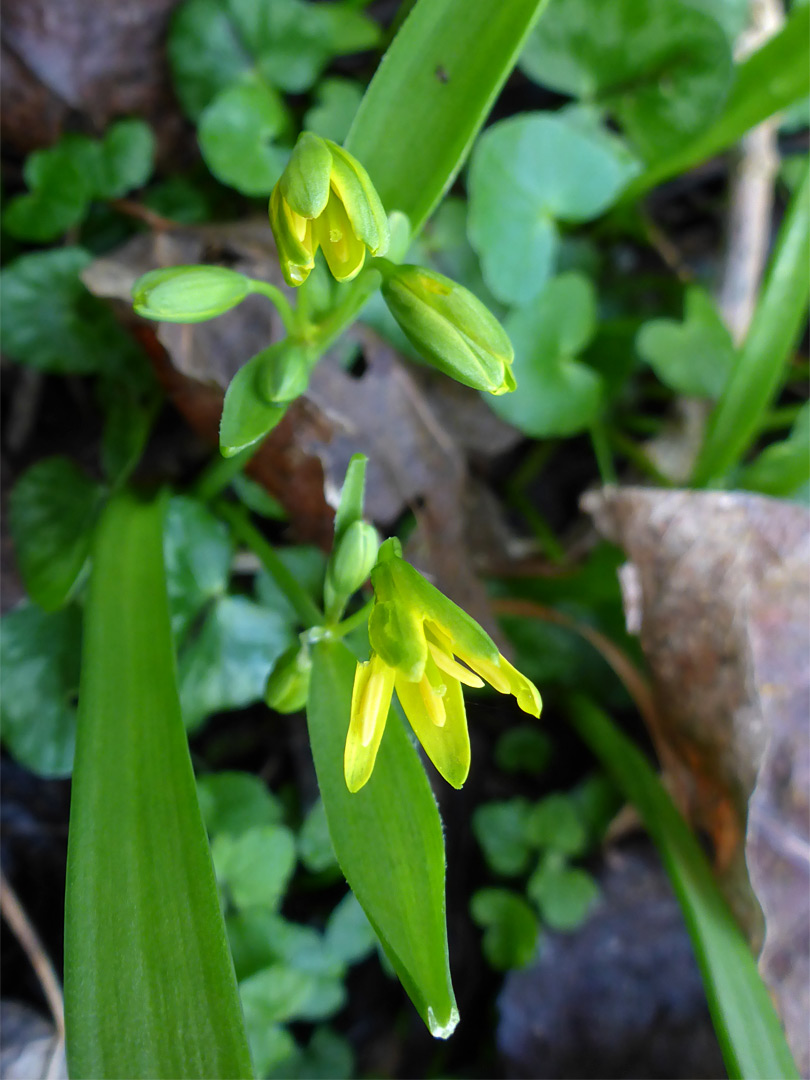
450	328
325	199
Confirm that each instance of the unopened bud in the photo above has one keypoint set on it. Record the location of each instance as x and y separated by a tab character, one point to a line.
450	328
283	375
189	294
353	558
288	685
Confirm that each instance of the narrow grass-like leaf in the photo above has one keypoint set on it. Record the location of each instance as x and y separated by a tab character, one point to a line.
150	989
388	839
432	93
770	80
772	336
747	1026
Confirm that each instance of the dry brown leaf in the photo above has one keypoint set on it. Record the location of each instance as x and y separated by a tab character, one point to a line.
722	603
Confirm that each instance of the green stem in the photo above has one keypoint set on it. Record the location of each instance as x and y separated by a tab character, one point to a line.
765	357
288	314
634	453
324	333
602	452
243	529
353	621
783	417
219	473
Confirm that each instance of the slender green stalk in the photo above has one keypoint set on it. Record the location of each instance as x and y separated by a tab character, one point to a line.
765	356
219	473
353	621
289	315
243	529
747	1026
635	454
602	452
782	417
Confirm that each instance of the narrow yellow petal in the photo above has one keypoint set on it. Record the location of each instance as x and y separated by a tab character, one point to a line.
448	746
371	699
448	664
344	253
506	679
489	671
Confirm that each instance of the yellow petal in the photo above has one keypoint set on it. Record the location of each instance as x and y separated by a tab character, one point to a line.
448	664
490	671
371	700
448	747
506	679
344	253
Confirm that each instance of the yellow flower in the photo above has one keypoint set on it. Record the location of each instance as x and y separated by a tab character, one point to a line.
325	199
418	637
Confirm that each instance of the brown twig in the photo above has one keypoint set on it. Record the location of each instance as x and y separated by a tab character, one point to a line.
143	213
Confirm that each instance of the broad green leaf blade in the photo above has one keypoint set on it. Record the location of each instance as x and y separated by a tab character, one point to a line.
747	1026
51	513
770	80
149	984
772	336
388	840
432	93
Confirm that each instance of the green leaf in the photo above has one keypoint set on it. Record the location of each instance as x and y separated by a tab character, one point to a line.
126	160
556	394
60	191
694	357
197	550
662	67
237	132
255	867
388	839
314	844
771	79
555	824
39	678
564	895
52	511
276	994
246	416
500	829
149	982
774	332
349	935
307	564
336	102
510	938
431	95
527	173
328	1056
523	749
747	1026
226	665
257	498
287	42
50	321
233	802
783	468
271	1045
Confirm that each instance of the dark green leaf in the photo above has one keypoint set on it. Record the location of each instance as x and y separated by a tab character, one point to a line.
783	467
744	1018
197	549
237	133
564	895
662	66
126	160
500	829
510	937
314	845
554	823
233	802
149	982
52	512
39	679
257	498
50	321
556	394
694	357
527	173
523	749
337	101
255	867
60	191
246	416
226	665
388	839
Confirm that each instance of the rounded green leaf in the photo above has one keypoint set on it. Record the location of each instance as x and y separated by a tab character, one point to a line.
554	823
564	895
501	830
233	802
255	867
237	133
52	511
510	937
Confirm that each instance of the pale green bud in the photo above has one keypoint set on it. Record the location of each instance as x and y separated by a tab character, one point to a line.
325	199
450	328
288	685
189	294
284	374
351	562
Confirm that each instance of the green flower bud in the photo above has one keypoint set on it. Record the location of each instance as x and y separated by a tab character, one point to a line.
189	294
351	562
288	685
325	199
450	328
283	375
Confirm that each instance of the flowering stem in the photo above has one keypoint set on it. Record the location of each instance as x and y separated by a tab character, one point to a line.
287	312
353	621
344	314
219	473
243	529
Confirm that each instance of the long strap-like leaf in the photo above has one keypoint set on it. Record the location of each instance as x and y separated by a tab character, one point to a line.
150	989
